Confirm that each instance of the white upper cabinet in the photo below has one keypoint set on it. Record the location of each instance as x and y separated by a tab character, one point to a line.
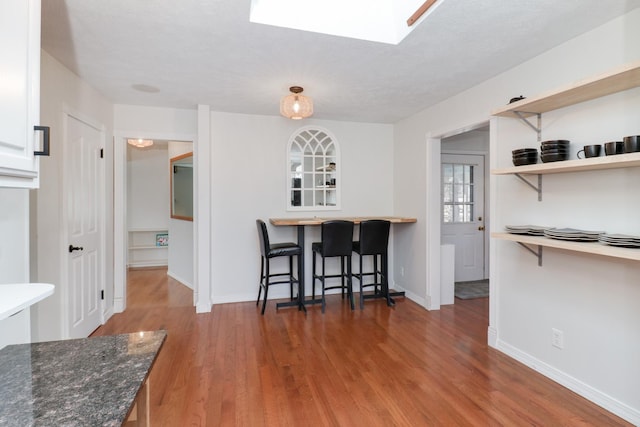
19	93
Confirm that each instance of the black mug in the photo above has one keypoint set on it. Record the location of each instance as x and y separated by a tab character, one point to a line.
614	147
590	151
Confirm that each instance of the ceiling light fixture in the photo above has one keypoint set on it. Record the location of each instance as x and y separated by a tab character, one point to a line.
139	142
296	106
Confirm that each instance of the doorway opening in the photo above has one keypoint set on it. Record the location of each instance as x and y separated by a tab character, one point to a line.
156	237
464	198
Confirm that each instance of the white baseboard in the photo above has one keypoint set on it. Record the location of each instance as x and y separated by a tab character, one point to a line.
492	337
118	305
596	396
107	315
134	264
203	308
180	279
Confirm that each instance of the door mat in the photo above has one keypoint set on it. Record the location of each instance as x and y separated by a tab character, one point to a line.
471	290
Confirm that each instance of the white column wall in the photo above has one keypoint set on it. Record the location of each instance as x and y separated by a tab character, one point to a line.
181	262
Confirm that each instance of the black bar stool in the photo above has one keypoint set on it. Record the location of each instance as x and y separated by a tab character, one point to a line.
337	236
268	251
374	239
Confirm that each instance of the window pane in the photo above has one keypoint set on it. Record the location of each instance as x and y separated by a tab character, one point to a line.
447	193
457	193
308	163
458	174
447	173
308	180
307	198
447	213
296	198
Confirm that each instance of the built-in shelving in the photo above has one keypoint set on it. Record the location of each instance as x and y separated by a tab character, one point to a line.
618	80
617	161
595	248
144	251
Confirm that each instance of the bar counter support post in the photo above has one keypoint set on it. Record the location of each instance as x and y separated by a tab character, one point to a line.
301	275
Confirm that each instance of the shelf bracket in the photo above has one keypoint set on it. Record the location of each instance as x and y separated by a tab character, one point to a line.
537	129
537	254
538	188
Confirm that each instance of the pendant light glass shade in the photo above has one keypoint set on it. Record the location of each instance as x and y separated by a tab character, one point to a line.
139	142
296	106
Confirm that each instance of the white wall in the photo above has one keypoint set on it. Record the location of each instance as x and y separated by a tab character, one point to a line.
249	181
475	141
148	186
593	300
181	262
61	91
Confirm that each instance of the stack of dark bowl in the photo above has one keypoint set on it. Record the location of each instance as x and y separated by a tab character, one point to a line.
525	156
631	143
554	151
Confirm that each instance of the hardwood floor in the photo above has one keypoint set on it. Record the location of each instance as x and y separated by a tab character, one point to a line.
378	367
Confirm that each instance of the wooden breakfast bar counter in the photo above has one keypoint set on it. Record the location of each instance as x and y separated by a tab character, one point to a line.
301	223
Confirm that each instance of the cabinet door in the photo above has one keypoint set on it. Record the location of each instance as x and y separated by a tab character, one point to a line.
19	91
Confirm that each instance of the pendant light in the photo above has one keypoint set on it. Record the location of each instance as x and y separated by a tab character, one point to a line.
296	106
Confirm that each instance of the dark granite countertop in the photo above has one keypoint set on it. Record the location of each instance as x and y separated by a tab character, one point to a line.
80	382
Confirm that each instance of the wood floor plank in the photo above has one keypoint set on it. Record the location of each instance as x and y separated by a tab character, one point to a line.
380	366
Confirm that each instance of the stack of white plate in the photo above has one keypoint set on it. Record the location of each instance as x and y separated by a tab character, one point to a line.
573	234
621	240
532	230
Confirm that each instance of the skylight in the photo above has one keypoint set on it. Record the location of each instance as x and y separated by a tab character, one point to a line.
383	21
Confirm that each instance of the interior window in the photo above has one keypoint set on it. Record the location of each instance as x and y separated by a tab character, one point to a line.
313	171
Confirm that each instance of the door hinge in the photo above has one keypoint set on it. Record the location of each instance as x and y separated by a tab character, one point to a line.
102	153
102	294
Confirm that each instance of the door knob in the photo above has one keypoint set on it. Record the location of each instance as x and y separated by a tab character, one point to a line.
75	248
481	228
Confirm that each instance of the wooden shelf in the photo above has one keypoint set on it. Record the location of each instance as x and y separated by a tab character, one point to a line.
584	247
131	248
594	163
626	77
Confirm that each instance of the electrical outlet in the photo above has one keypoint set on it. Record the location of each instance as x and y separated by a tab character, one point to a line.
557	338
402	271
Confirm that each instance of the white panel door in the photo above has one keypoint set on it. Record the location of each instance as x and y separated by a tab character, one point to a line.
463	213
84	179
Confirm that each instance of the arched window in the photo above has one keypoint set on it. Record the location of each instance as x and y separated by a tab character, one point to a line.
313	175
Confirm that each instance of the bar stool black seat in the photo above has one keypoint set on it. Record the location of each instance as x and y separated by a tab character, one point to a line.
337	236
374	240
273	250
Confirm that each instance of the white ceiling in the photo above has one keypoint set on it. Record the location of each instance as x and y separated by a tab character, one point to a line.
207	52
